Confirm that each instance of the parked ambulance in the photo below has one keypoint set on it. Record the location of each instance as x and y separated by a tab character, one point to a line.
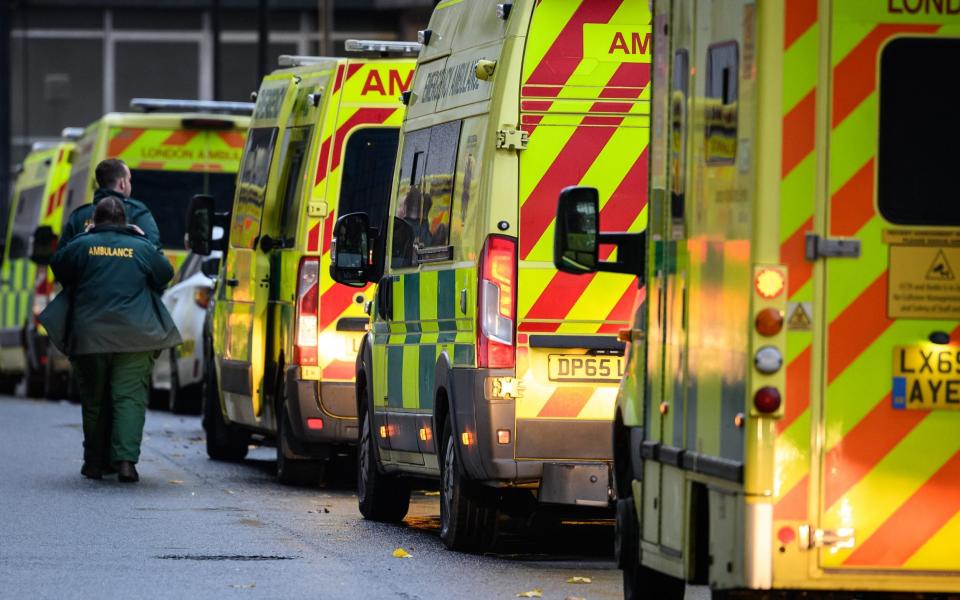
791	422
485	367
37	201
284	335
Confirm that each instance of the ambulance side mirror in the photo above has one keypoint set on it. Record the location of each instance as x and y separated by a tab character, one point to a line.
350	251
577	238
44	245
200	224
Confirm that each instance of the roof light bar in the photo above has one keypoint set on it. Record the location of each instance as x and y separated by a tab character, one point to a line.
294	60
72	133
179	106
383	48
42	145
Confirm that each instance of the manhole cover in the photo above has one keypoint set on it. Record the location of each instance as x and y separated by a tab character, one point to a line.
248	557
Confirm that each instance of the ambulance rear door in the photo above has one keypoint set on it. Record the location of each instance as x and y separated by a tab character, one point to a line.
889	246
241	319
585	107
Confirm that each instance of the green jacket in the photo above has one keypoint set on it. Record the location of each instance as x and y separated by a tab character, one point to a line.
112	279
137	214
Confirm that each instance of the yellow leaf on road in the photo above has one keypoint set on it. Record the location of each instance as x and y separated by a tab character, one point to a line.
574	598
534	593
401	553
578	579
431	493
175	481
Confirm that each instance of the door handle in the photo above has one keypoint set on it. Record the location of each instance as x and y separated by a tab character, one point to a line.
232	282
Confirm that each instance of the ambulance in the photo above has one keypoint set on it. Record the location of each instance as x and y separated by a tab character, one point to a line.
175	149
37	201
485	367
788	420
284	335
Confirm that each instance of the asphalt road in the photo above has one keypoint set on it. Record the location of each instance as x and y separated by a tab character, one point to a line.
205	529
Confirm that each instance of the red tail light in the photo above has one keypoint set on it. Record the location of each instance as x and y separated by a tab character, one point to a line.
308	304
497	303
767	399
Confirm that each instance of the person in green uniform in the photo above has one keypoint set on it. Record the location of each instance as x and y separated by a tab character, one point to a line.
115	325
114	181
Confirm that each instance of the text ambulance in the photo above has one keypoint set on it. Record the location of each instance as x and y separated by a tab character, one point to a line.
792	421
485	366
323	141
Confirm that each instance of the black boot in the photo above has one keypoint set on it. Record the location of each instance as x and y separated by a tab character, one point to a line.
91	471
127	472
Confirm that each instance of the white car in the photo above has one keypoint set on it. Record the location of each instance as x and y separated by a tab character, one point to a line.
178	373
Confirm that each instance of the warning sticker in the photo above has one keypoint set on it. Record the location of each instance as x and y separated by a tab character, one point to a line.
923	281
800	316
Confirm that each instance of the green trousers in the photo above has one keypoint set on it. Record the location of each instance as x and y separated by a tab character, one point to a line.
114	389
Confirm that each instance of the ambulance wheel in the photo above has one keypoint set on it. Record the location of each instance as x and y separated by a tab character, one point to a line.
8	385
224	442
290	469
381	497
468	516
182	400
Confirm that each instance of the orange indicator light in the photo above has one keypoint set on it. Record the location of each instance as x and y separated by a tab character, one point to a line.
383	431
503	436
769	322
770	283
467	438
425	434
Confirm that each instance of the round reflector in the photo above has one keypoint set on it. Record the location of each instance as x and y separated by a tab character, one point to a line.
769	322
767	399
768	360
769	283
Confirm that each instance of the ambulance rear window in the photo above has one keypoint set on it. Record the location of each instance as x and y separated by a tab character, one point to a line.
167	194
25	221
918	182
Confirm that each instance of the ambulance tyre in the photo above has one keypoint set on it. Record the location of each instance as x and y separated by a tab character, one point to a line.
292	470
468	517
642	583
35	382
381	497
224	442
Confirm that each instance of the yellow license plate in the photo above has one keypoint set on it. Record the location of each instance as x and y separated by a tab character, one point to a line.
926	377
583	367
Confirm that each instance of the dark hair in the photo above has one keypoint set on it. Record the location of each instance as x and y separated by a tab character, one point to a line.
110	171
109	211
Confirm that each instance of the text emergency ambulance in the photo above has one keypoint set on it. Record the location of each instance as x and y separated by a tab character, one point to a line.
485	367
323	141
792	422
174	149
37	201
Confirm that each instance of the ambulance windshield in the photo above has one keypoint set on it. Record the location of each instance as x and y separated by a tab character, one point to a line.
168	194
368	173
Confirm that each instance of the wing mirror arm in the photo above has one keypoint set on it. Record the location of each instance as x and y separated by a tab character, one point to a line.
631	253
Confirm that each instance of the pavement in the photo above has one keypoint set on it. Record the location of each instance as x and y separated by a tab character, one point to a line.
207	529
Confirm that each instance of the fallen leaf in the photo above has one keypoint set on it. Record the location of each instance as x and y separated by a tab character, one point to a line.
242	586
579	579
574	598
401	553
534	593
431	493
175	481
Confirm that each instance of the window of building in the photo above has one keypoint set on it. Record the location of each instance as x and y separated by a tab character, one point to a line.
367	165
720	107
25	221
917	177
254	172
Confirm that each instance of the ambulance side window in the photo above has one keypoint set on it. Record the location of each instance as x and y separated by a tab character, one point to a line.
720	118
25	221
433	229
917	176
409	198
679	92
297	140
251	187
